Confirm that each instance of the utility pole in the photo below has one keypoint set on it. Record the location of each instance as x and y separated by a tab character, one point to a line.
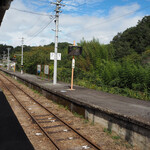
22	40
58	6
8	59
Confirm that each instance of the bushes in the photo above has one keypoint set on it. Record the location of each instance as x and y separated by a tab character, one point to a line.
128	77
96	69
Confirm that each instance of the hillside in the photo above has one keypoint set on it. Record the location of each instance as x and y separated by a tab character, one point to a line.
133	40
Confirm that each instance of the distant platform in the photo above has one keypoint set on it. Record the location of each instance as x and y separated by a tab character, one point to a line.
12	136
128	117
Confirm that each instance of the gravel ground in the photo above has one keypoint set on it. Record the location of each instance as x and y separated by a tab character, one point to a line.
102	137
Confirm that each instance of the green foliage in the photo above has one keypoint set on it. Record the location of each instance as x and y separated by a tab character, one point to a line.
107	131
37	55
115	137
93	54
122	67
78	115
134	39
96	69
133	58
62	106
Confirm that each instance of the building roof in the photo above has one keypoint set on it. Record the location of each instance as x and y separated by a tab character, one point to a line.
4	5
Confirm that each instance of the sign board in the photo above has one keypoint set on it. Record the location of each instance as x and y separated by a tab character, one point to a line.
46	69
74	50
38	68
73	63
52	56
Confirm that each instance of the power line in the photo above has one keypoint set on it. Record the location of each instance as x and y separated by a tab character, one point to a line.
42	20
37	33
111	19
75	6
35	23
35	13
44	1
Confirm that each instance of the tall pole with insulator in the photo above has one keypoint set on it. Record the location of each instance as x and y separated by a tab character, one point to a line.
57	10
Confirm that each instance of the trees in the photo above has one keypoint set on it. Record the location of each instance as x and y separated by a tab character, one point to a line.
134	39
122	65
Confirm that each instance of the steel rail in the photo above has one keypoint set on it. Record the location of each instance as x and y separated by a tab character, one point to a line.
83	137
30	115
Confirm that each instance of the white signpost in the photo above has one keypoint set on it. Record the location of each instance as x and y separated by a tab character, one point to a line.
73	66
52	56
73	63
46	69
39	69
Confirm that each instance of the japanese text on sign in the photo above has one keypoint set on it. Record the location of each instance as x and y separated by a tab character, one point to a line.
46	69
52	56
38	68
73	63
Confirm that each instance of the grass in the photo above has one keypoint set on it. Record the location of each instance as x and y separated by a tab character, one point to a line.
62	106
36	92
92	123
85	121
6	74
107	131
115	137
19	81
54	102
116	90
78	115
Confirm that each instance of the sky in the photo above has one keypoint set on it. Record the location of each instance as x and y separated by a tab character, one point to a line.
79	19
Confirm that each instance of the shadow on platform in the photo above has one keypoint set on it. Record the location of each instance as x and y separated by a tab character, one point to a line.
12	136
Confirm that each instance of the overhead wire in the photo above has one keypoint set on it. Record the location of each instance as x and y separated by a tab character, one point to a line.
35	13
44	1
122	16
52	17
110	19
76	7
37	33
29	31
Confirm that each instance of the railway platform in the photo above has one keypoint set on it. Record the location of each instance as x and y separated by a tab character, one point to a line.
128	117
12	136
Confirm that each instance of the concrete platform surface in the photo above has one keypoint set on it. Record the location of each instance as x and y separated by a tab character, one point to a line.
12	136
133	110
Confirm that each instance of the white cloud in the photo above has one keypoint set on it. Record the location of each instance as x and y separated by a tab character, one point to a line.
75	4
18	24
103	28
121	10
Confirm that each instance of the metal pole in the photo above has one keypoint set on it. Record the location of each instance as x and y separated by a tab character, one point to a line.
8	59
22	56
56	43
56	47
58	6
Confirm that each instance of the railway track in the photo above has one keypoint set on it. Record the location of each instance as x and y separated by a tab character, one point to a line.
59	132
